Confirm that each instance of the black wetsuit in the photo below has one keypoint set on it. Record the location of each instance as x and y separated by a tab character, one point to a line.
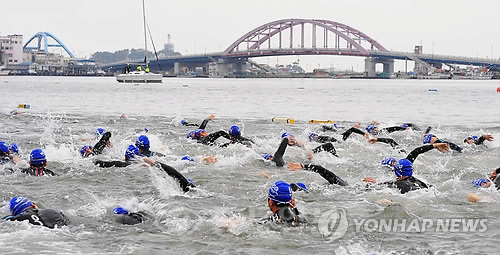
407	184
115	163
278	155
44	217
184	183
100	145
452	145
203	125
38	170
133	218
399	128
328	147
329	128
479	141
187	124
210	139
348	132
325	173
4	159
238	139
411	183
324	139
285	215
148	153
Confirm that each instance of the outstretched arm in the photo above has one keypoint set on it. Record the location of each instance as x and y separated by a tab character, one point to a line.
99	146
205	121
442	147
172	172
325	173
278	155
347	133
384	140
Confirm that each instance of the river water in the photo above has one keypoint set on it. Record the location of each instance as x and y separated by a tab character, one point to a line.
222	214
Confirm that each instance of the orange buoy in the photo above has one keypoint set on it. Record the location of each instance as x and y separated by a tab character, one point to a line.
498	89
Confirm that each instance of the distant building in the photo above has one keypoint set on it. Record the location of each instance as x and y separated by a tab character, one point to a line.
11	49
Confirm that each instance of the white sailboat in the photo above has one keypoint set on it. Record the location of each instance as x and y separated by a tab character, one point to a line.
141	75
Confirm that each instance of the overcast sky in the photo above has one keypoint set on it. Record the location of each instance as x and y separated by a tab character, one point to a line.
451	27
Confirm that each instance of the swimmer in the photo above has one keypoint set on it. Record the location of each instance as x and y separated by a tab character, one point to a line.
291	140
236	137
142	143
23	209
430	138
38	164
131	156
7	155
98	148
123	216
313	137
282	204
478	140
403	168
187	124
372	140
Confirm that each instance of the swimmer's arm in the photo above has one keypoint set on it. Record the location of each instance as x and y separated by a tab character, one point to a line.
422	149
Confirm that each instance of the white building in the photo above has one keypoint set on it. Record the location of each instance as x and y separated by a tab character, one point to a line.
11	48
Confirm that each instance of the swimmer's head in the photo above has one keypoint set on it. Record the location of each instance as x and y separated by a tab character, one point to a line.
131	152
428	138
403	168
312	136
199	133
4	148
371	128
86	149
191	134
280	193
287	135
471	139
98	132
234	131
120	210
142	142
481	182
188	158
13	148
389	161
37	157
267	156
18	204
183	122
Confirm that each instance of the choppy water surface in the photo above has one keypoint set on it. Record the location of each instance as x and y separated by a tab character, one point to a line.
64	110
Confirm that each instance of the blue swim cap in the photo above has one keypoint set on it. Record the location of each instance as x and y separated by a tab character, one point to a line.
4	148
99	132
198	132
14	148
234	130
478	182
404	167
280	192
370	128
190	134
183	122
142	142
267	156
37	156
404	125
131	152
302	186
473	137
188	158
120	210
84	149
312	136
19	204
286	134
388	161
427	138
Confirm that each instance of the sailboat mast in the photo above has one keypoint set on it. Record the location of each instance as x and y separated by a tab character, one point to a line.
145	38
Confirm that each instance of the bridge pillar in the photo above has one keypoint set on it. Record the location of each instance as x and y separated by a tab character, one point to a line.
232	67
370	67
370	64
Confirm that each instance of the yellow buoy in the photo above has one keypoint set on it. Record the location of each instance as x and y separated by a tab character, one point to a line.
283	120
24	106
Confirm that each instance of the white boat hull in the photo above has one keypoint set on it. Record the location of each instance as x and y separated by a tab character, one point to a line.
139	77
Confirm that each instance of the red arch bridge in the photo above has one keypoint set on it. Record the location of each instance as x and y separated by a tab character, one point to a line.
304	37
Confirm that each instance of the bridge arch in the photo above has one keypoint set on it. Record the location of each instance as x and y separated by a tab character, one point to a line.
262	34
43	38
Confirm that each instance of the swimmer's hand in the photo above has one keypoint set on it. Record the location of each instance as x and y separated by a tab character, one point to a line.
488	137
372	140
442	147
370	180
295	166
211	117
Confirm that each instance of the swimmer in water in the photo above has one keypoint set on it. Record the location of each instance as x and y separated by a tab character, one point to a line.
142	143
38	164
431	139
403	168
123	216
282	204
23	209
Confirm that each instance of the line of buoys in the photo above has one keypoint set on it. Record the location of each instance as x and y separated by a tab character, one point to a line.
283	120
322	121
433	90
24	106
498	89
